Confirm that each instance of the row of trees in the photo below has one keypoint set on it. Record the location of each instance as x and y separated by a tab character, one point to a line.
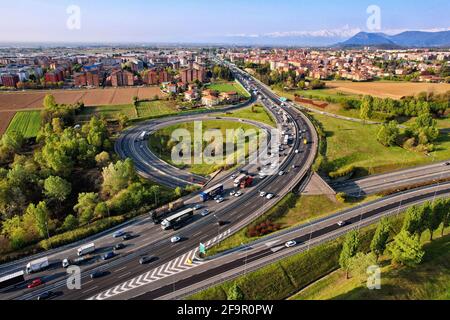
289	79
222	72
406	247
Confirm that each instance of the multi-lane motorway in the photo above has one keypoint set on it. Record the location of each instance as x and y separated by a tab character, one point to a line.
151	240
395	180
176	271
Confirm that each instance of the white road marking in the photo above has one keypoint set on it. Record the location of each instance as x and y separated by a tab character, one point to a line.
118	270
124	275
91	289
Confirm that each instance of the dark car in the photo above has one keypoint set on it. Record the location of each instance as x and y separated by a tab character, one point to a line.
97	274
127	237
221	223
46	295
119	246
145	260
108	255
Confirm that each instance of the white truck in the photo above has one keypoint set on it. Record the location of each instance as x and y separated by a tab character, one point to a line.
144	135
86	249
37	265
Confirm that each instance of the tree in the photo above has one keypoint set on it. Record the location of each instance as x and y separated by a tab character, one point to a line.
406	249
123	120
235	293
102	158
349	249
13	140
178	192
135	101
380	238
86	206
366	111
388	134
57	188
444	205
118	176
415	220
101	210
41	215
155	190
12	228
434	214
70	222
49	102
425	128
360	262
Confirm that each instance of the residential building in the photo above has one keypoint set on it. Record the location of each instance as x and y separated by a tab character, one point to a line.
122	78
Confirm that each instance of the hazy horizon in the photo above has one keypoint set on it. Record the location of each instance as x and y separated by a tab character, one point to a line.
281	22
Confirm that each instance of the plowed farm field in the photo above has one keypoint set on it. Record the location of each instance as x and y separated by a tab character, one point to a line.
5	119
395	90
14	101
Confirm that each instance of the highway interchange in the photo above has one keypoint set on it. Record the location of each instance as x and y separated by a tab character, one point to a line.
173	275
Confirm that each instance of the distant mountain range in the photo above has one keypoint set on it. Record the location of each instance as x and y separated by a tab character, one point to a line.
408	39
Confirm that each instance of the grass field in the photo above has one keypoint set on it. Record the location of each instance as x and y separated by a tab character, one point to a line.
158	143
427	281
228	87
26	122
156	108
109	112
350	143
145	109
257	113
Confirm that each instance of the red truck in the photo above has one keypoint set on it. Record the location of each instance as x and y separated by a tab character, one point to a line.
246	182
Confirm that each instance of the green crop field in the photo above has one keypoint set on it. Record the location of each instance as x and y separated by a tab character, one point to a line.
229	86
156	108
109	112
26	122
145	109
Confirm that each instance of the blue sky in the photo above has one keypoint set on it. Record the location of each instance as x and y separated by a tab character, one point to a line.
209	20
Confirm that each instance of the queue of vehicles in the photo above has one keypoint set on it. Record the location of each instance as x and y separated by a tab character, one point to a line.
166	215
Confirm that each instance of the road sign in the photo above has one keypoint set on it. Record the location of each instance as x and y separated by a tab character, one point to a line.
202	248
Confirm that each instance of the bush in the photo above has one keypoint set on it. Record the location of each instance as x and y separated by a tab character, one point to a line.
262	229
343	172
341	197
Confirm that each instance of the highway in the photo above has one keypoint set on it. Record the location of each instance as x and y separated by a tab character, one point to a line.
175	264
151	240
395	180
252	256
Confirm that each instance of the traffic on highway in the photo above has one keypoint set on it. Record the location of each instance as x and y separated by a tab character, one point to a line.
149	256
